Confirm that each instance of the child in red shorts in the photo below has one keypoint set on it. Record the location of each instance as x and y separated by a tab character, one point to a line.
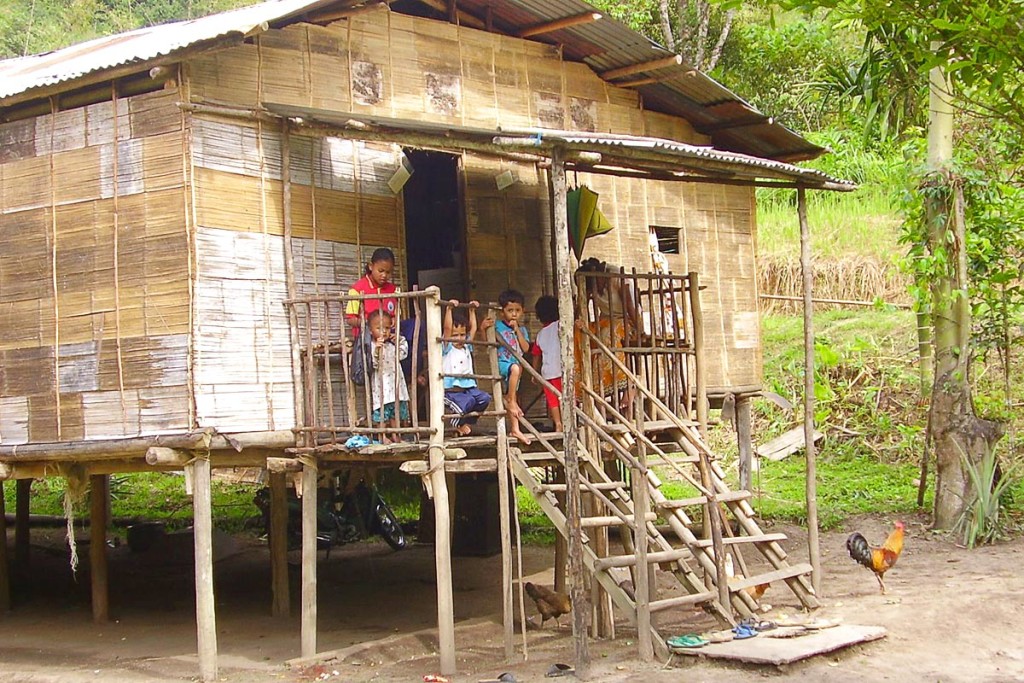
547	357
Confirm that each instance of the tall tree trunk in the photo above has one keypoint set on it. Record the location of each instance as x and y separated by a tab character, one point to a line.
666	24
716	53
703	23
684	45
953	428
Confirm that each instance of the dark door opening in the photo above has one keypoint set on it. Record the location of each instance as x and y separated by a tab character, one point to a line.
433	223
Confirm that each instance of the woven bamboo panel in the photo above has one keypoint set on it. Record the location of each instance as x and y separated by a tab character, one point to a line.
328	67
226	76
79	360
14	419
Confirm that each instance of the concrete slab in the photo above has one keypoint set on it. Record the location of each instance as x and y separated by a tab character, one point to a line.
781	651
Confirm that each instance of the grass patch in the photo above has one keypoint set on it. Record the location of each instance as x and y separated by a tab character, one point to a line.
862	223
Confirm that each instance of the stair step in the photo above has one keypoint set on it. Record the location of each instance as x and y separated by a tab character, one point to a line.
678	459
730	497
777	575
763	538
611	520
652	558
690	599
599	485
538	456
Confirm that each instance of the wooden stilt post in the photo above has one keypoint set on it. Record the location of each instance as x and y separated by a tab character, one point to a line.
697	314
505	491
5	568
281	598
308	628
442	521
744	440
561	548
813	547
641	503
202	527
21	530
99	493
563	286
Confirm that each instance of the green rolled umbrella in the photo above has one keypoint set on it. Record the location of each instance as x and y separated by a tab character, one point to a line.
584	218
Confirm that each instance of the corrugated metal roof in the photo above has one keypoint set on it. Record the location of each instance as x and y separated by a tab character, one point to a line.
644	154
68	64
713	110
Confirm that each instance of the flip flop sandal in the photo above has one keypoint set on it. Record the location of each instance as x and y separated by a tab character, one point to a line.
765	626
690	640
743	631
556	670
719	636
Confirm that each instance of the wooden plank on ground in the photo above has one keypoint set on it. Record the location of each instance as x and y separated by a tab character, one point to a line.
786	444
781	651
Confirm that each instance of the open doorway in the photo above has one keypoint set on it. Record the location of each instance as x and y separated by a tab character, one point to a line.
433	223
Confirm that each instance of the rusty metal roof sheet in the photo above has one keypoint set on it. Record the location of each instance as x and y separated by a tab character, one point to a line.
141	45
713	110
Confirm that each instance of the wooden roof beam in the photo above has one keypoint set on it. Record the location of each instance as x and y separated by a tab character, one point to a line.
558	24
642	67
465	18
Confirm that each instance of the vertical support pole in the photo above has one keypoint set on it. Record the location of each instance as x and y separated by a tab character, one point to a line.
202	526
813	547
442	520
99	494
281	598
641	578
744	440
561	547
21	530
504	503
698	351
563	286
5	568
308	618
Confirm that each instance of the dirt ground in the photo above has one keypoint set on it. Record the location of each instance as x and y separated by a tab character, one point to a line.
950	614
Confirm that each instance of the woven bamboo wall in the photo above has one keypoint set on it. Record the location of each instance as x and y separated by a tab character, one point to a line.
342	209
716	240
391	65
94	307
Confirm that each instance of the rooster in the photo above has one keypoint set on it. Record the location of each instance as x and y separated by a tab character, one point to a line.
878	560
549	603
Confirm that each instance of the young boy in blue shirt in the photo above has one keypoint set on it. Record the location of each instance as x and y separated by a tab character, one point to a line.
511	329
461	394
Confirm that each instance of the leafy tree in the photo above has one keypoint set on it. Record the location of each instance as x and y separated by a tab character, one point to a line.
973	54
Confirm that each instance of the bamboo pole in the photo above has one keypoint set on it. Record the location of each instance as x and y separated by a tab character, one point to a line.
507	615
99	493
810	450
23	491
744	440
308	617
281	597
5	567
563	286
698	347
442	521
206	620
641	503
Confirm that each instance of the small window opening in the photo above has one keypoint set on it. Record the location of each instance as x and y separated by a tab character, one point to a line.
668	239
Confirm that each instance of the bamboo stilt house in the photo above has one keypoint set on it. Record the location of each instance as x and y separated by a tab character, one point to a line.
164	192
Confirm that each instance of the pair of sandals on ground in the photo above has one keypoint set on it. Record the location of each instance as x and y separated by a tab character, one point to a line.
748	628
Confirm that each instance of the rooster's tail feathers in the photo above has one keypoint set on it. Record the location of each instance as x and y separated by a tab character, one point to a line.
859	549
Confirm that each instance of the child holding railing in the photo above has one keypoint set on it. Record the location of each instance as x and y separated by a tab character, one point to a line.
389	392
461	393
515	335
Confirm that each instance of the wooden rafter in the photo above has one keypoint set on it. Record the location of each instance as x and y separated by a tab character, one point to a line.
642	67
557	24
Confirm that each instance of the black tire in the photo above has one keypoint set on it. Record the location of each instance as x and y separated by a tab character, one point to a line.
388	526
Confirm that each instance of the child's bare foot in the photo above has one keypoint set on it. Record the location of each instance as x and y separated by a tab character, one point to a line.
523	438
513	408
463	430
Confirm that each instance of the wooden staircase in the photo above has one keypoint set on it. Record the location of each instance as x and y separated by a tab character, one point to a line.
681	544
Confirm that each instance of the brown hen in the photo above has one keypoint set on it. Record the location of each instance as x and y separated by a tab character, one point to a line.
550	604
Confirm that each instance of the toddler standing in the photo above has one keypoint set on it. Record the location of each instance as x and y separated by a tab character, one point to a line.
461	394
